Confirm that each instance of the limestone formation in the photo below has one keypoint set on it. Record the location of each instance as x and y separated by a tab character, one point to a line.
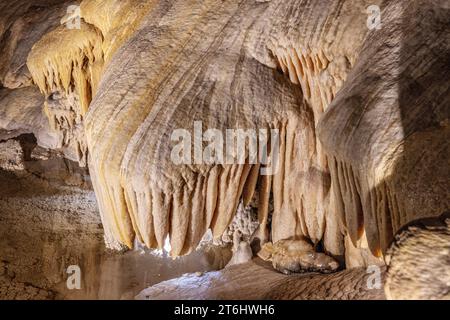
68	78
242	228
387	133
297	256
420	246
242	253
352	118
21	113
256	281
140	190
11	156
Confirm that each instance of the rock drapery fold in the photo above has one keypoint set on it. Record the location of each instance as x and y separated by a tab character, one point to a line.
351	106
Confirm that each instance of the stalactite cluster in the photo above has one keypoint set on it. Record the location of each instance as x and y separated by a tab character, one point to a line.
349	104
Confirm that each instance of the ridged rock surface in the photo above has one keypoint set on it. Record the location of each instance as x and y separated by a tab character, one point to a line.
362	114
151	88
387	132
23	23
238	64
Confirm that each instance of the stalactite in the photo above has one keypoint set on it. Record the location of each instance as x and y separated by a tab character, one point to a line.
67	78
75	67
377	130
191	198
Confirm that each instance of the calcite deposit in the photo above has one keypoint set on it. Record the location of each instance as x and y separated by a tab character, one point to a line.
143	193
348	101
297	256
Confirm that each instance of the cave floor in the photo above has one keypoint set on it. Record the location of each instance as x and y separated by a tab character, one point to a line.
257	280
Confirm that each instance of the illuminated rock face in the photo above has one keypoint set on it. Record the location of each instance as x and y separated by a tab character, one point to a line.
361	115
230	80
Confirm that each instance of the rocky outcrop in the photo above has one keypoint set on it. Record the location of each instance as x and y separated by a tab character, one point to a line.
420	246
143	193
68	78
297	256
21	113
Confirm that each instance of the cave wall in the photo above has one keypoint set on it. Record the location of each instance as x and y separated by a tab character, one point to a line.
362	114
387	131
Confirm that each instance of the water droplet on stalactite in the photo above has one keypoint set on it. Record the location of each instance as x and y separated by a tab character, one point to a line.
167	246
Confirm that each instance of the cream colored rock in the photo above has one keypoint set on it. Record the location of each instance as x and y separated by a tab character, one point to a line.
68	78
297	256
150	90
141	191
116	19
362	115
22	25
137	71
242	253
301	188
360	255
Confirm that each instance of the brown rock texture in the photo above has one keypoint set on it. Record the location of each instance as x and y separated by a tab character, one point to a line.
387	132
22	24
